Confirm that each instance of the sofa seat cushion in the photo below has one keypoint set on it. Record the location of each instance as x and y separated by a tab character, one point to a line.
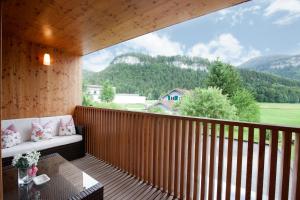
41	145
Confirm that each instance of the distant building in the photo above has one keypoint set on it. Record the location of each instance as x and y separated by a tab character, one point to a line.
167	101
129	99
95	92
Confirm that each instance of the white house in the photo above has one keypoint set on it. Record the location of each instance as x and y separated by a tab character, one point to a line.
129	99
167	101
94	91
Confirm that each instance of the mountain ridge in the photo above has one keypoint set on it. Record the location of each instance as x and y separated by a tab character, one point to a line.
153	76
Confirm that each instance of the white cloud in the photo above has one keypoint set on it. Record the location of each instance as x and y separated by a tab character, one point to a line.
290	8
236	16
98	60
225	47
155	44
152	43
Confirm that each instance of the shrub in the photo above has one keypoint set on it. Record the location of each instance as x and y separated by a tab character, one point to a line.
247	108
208	102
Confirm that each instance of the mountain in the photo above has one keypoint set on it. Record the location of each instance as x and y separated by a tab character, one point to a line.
281	65
154	76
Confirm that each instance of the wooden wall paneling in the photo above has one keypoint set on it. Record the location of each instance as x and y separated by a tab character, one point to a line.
34	90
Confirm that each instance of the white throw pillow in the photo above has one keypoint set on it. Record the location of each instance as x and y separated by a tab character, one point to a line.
66	128
10	137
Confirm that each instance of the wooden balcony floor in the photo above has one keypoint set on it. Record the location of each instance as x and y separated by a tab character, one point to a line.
118	184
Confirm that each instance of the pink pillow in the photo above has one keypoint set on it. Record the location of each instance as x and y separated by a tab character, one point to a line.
40	132
66	128
10	137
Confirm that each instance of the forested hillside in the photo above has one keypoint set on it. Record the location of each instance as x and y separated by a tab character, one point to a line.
281	65
154	76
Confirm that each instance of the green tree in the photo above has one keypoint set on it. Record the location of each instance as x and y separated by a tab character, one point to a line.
107	93
225	77
247	108
86	100
208	102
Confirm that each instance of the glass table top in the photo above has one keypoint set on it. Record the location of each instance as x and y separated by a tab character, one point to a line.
66	181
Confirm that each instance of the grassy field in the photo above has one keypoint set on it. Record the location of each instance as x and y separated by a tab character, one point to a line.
280	114
270	113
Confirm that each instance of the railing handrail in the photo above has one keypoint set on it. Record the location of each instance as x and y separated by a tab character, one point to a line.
208	120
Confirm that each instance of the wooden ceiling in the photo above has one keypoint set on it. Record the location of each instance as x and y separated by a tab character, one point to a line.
84	26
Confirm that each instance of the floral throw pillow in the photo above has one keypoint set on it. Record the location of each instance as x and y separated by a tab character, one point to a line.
40	132
10	137
66	128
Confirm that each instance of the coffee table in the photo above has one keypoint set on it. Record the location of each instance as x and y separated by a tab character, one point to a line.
66	182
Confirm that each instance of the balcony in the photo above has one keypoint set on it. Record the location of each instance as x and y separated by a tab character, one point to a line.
136	155
196	158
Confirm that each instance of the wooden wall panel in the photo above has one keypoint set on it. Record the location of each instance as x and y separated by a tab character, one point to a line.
31	89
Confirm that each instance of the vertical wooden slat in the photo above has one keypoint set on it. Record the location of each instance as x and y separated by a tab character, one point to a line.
146	149
229	163
171	157
239	163
285	165
273	164
156	152
190	161
204	157
220	163
261	163
151	150
296	175
160	152
178	141
166	153
183	162
212	162
197	161
249	163
138	124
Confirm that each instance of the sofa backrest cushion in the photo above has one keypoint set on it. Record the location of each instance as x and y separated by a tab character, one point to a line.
24	126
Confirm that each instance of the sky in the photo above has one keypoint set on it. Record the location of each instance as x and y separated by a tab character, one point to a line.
233	35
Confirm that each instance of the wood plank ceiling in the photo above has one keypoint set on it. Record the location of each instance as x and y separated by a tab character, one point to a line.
84	26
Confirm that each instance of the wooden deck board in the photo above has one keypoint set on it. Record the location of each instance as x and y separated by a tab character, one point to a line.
118	184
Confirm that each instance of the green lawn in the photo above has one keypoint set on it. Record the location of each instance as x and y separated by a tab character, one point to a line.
280	114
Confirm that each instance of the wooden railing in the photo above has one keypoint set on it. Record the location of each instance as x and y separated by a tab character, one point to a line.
197	158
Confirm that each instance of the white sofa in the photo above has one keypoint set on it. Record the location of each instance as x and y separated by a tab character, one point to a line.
24	126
